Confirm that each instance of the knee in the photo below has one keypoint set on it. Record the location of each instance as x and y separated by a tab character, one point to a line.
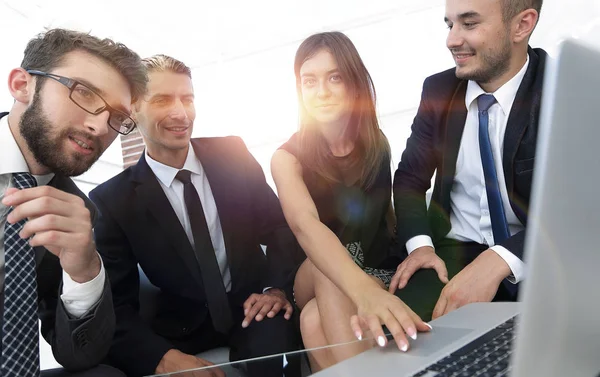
310	319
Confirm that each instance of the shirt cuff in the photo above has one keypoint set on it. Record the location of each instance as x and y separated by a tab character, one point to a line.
266	289
517	267
79	298
417	242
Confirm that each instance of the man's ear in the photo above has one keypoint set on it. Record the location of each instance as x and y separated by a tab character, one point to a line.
135	108
21	85
523	25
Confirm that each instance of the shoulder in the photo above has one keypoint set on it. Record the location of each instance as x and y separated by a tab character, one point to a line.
118	183
219	142
292	145
226	146
442	83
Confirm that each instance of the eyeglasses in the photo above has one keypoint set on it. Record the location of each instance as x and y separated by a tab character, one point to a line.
91	102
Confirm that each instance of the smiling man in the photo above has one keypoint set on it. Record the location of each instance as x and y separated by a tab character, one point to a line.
476	128
193	214
72	96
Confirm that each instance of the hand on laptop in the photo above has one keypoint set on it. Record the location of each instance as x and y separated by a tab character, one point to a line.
268	304
422	257
477	282
174	361
376	306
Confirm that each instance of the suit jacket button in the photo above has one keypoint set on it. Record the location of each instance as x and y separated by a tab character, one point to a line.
206	304
185	329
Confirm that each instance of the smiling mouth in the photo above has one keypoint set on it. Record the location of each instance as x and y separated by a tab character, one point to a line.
462	55
81	143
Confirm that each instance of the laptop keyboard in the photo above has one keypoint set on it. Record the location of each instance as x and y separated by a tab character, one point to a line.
486	356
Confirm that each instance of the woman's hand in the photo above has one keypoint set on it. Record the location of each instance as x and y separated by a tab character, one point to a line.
377	306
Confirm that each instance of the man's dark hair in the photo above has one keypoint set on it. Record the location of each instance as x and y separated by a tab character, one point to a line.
510	8
48	49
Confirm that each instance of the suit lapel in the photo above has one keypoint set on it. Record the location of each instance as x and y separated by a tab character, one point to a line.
154	199
455	125
522	114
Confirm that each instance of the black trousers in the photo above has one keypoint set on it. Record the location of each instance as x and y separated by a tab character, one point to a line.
424	287
267	337
99	371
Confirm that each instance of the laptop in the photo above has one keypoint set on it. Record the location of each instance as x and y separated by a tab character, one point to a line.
555	330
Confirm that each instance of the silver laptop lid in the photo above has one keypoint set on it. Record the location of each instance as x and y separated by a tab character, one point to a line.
559	329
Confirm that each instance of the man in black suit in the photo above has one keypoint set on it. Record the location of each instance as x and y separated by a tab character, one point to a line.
72	94
193	214
476	127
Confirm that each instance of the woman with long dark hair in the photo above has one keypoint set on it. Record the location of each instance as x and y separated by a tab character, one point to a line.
334	182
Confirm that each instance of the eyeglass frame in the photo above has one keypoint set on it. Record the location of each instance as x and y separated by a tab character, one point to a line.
71	84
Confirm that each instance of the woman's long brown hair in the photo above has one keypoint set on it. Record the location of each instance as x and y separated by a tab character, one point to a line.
370	143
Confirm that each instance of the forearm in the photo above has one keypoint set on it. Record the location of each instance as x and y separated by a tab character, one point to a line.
327	253
81	343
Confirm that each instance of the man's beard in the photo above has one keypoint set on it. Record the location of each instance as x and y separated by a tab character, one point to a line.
46	142
493	67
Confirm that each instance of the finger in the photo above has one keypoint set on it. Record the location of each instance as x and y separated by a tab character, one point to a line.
55	223
395	283
274	310
421	325
440	306
440	268
407	273
393	322
10	191
38	207
355	324
266	308
451	305
250	301
252	313
289	310
25	195
376	329
59	240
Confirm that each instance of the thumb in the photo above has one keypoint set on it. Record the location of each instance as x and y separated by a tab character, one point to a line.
441	270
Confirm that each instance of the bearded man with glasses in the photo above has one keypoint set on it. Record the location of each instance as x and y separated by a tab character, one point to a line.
72	97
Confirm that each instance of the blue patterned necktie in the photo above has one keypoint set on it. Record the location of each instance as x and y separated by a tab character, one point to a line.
492	187
20	349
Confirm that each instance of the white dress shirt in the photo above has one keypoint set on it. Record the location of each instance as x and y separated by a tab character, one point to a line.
77	298
470	215
173	189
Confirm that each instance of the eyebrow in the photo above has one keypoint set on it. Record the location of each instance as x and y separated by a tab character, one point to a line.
164	95
464	15
336	70
102	94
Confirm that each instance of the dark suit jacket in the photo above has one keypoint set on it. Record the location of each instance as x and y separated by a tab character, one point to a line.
433	147
81	343
137	225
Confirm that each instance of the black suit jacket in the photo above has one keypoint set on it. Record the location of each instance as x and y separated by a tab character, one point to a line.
137	225
433	147
77	343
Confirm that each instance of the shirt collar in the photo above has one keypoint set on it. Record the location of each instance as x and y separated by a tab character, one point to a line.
505	95
11	158
166	174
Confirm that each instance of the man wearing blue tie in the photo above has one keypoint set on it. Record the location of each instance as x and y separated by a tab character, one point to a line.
476	129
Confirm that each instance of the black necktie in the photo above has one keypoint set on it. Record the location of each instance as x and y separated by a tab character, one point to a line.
218	304
20	352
